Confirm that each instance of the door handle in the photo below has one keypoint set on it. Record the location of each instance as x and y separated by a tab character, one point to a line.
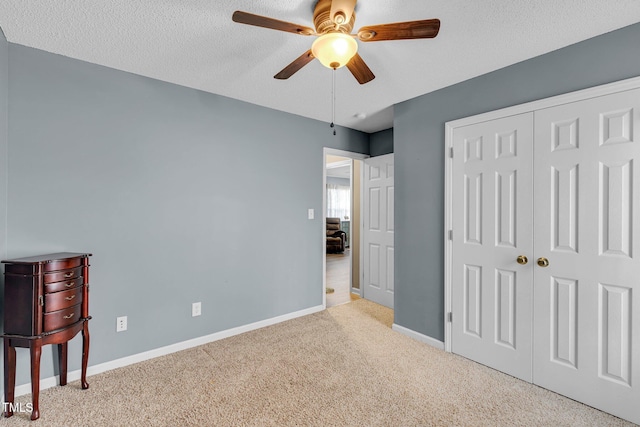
543	262
522	260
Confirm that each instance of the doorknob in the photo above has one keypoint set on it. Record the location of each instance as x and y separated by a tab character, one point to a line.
543	262
522	259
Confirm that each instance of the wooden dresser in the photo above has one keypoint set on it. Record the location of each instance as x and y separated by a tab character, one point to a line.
46	301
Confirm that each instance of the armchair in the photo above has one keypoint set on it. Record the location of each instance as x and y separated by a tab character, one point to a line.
335	237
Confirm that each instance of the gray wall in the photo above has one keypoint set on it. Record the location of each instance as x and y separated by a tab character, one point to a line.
181	196
419	155
4	101
381	142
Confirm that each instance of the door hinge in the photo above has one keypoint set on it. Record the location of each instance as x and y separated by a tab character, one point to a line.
451	152
450	234
41	300
450	316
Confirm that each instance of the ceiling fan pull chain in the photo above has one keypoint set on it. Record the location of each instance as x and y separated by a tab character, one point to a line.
333	101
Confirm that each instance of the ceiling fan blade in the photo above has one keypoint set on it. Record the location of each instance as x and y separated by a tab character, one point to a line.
424	29
343	9
360	70
274	24
295	66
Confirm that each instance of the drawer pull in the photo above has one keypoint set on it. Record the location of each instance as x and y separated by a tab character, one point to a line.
68	317
70	298
70	284
69	274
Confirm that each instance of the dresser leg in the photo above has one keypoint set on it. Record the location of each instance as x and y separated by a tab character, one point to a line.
9	377
85	355
62	362
36	350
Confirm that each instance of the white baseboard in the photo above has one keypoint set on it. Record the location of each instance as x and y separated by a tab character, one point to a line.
418	336
45	383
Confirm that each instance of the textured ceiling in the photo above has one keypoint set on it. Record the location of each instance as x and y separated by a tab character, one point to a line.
194	43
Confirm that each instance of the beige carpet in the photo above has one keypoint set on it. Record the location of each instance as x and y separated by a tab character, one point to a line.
340	367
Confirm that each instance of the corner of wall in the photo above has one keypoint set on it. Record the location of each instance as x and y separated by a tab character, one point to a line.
4	140
381	143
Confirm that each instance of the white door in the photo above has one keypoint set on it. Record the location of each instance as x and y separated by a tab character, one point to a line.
569	319
492	217
587	302
378	230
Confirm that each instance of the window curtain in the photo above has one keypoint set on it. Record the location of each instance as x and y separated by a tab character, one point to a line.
338	201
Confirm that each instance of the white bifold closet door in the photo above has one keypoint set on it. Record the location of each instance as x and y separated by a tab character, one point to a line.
587	224
561	187
492	217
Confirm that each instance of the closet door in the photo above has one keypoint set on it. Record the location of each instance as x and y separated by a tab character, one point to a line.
492	228
587	212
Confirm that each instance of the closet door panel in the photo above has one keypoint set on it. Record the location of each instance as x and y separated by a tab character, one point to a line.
586	200
492	217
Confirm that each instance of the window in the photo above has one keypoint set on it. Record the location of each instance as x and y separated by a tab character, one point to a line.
338	201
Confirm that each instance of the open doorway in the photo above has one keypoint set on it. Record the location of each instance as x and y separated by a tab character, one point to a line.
342	204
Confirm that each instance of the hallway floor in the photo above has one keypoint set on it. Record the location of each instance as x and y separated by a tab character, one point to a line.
339	278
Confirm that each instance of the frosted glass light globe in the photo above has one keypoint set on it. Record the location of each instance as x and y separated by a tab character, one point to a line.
334	50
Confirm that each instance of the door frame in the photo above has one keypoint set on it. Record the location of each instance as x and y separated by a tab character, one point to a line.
353	156
580	95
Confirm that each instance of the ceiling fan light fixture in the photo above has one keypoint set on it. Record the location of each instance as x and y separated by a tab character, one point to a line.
334	50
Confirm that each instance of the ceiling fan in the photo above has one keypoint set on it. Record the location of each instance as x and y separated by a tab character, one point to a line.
335	46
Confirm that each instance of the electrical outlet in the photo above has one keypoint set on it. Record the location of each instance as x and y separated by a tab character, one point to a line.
196	309
121	324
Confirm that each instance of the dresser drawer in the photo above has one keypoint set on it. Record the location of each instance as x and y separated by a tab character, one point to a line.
63	264
61	318
63	286
61	300
61	275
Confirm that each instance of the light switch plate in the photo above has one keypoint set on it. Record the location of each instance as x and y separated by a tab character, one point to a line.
121	323
312	214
